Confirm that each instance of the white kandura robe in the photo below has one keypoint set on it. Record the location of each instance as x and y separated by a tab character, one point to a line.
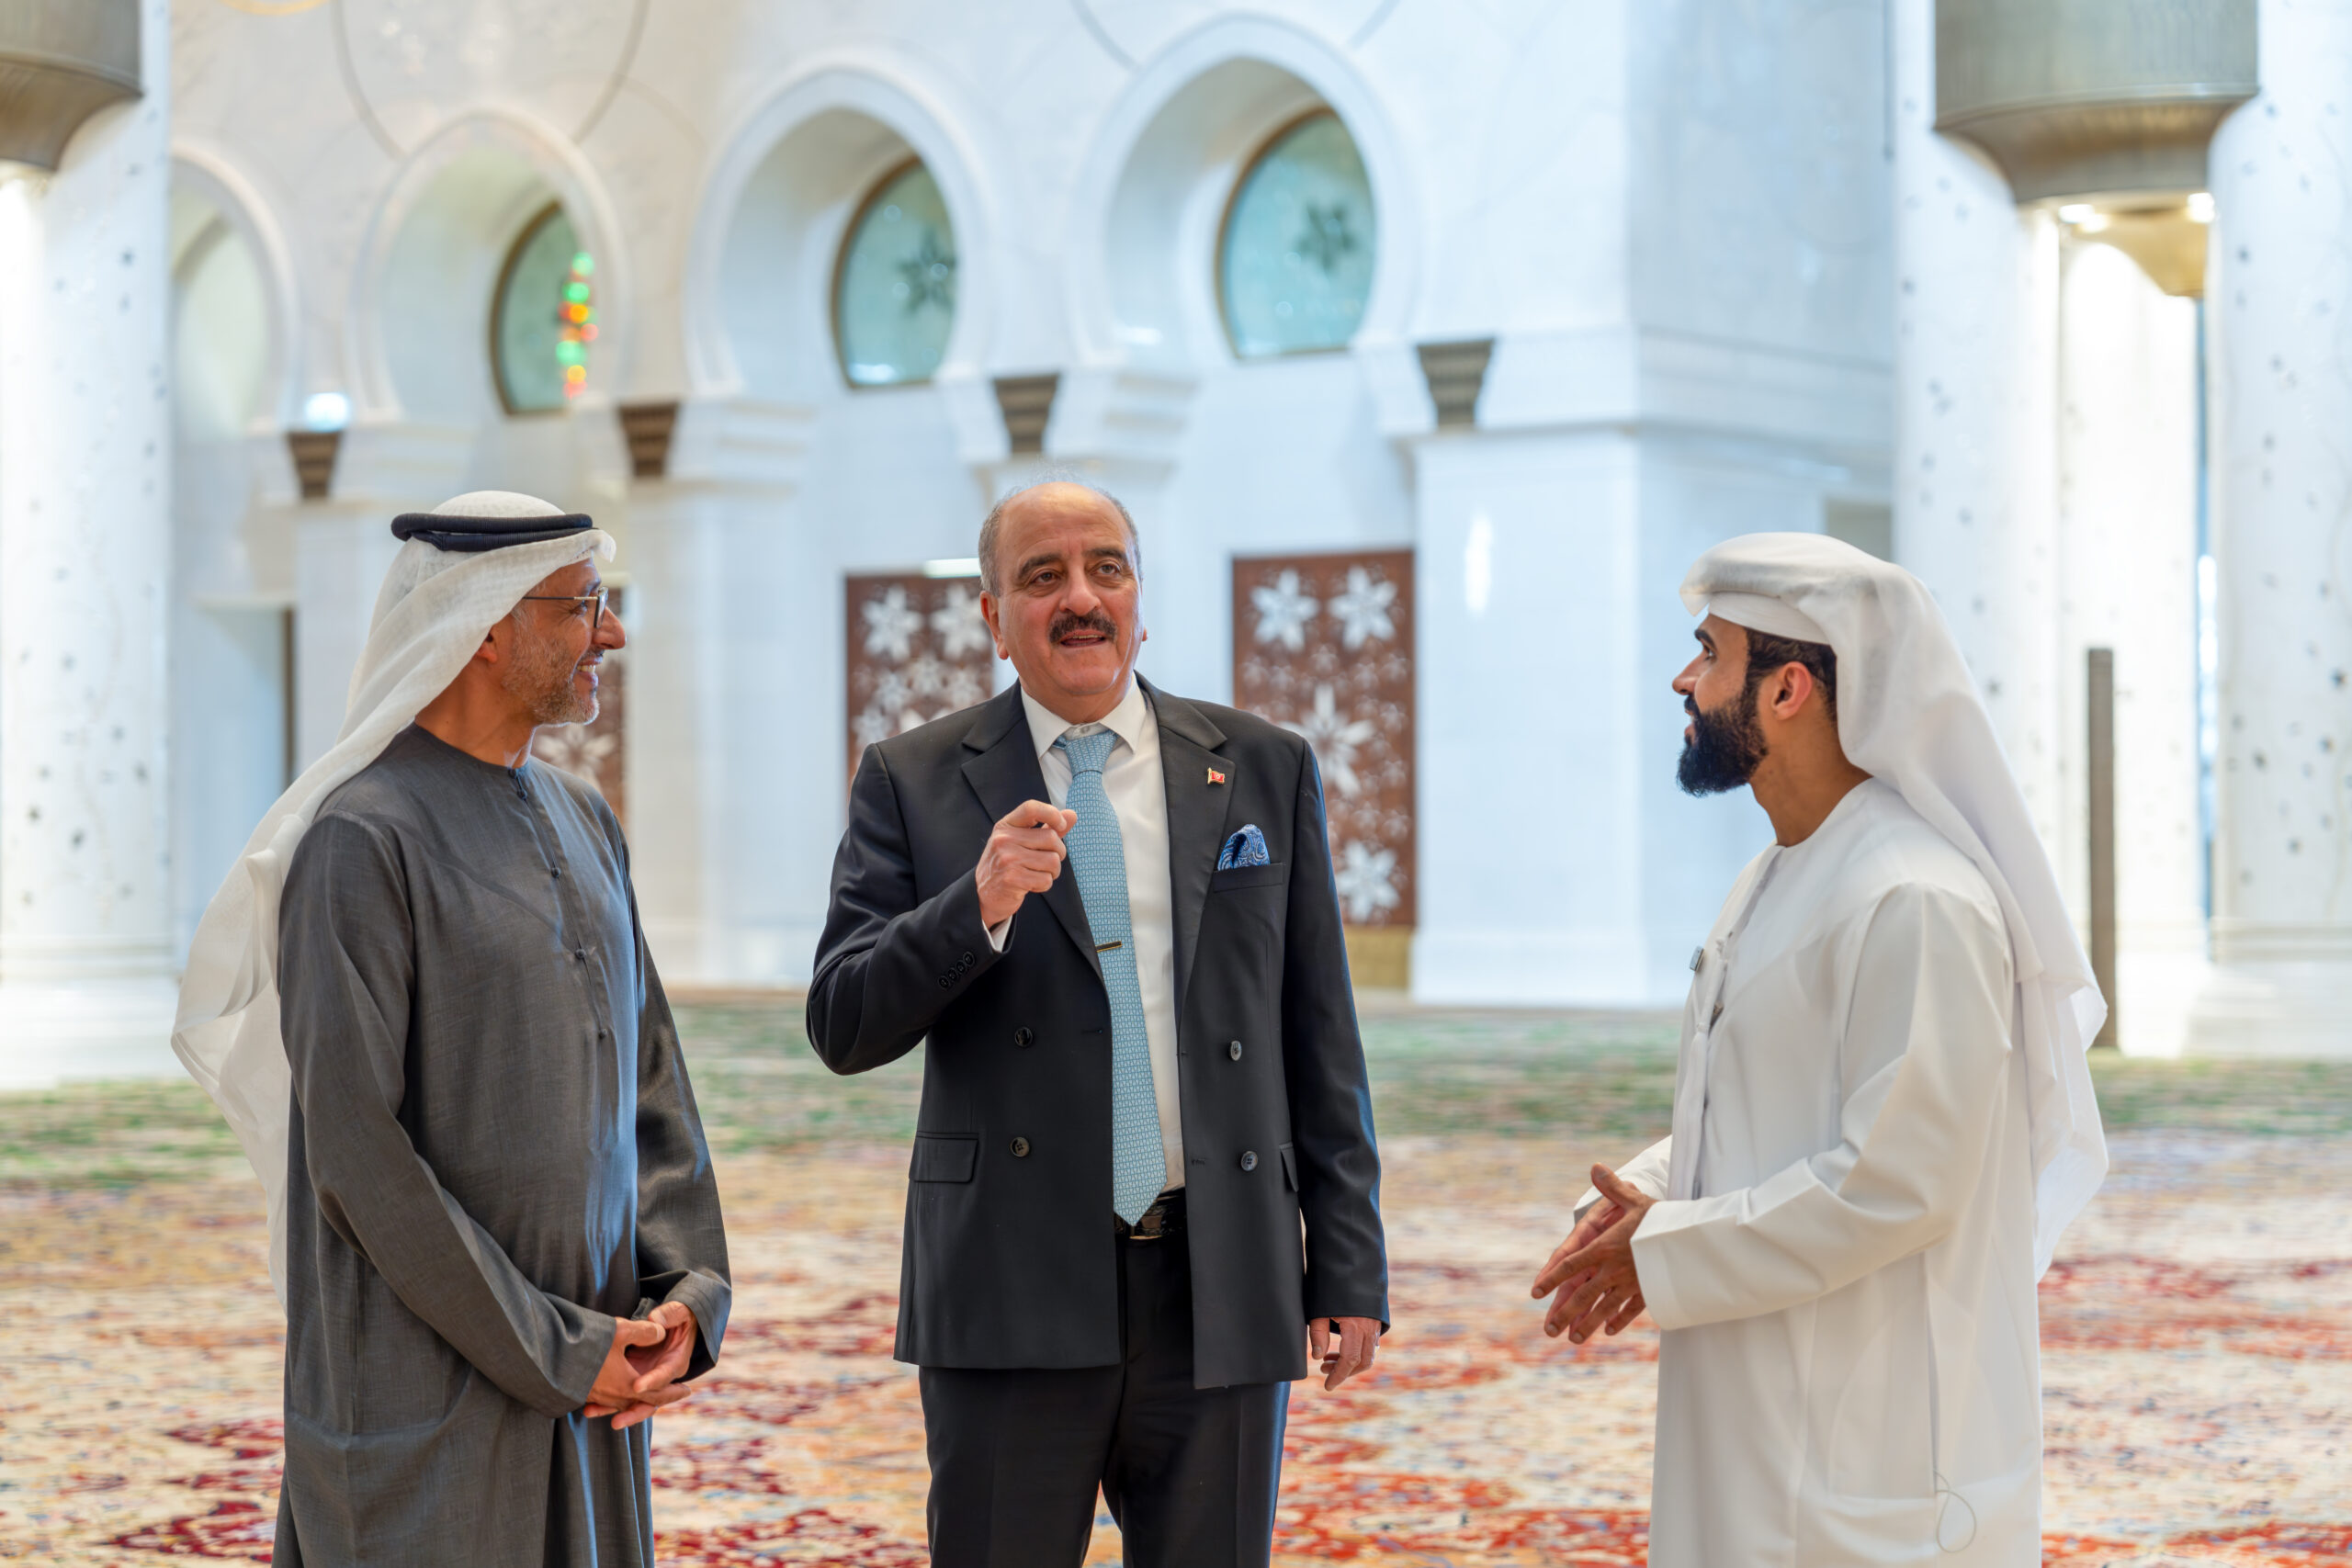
1850	1371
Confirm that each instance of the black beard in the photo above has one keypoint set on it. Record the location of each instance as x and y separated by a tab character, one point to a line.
1725	748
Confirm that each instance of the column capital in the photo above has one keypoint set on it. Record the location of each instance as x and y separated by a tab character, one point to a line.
738	443
1122	415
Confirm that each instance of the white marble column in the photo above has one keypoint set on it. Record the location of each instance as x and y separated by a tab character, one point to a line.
1975	364
85	440
2279	310
1533	772
736	728
2128	476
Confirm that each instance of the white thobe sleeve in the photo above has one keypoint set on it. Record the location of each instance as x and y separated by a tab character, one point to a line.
1646	1172
1924	1055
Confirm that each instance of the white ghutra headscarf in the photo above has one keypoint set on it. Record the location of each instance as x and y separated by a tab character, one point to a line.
440	599
1908	714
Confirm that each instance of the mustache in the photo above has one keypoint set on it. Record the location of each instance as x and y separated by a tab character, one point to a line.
1065	623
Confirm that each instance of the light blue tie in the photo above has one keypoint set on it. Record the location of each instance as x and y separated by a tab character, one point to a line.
1139	1166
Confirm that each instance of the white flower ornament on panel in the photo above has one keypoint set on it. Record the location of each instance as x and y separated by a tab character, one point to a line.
958	625
1283	611
891	625
1367	880
964	689
927	677
892	692
1335	738
1361	610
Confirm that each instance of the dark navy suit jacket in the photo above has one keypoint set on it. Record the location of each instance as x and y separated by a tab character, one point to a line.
1010	1258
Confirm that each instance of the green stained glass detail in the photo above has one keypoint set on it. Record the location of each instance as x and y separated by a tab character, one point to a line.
1298	246
545	317
894	300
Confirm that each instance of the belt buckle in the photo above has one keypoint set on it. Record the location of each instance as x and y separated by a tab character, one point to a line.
1151	1224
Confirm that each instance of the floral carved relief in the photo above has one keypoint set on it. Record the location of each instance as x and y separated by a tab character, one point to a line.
1323	645
918	651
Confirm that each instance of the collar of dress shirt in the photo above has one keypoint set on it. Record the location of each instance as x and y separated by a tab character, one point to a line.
1125	721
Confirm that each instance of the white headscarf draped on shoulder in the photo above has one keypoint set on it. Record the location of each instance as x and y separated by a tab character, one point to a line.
465	564
1908	714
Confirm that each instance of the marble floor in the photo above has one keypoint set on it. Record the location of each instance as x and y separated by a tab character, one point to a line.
2198	1327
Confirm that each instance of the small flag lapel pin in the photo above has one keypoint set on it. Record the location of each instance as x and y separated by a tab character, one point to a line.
1215	777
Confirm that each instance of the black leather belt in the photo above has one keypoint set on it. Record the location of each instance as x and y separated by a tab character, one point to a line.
1163	1219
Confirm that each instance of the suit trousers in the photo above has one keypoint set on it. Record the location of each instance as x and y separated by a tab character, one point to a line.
1190	1475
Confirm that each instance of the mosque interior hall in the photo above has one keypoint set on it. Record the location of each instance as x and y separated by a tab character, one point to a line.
1427	345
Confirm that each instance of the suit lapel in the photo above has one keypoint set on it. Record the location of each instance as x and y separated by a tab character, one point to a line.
1003	774
1196	814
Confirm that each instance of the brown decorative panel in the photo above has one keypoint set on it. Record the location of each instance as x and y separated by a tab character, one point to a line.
918	651
1323	645
599	752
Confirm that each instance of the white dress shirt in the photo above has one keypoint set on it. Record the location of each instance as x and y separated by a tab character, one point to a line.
1139	794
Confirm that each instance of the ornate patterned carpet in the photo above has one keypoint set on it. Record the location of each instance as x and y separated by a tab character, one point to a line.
2197	1329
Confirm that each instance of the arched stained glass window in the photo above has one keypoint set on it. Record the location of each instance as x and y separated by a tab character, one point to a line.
1297	255
894	294
543	325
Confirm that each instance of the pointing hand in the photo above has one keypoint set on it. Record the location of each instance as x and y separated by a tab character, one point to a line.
1023	856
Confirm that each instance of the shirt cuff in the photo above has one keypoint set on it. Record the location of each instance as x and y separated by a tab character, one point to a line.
999	933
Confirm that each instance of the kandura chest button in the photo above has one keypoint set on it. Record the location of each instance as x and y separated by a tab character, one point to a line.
1234	1050
579	954
1020	1148
1250	1159
1021	1036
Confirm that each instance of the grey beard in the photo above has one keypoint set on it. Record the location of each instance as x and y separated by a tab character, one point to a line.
544	683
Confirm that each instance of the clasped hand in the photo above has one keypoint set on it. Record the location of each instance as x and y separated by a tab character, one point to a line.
641	1370
1592	1271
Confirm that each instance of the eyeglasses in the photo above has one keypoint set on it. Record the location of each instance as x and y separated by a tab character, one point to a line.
576	602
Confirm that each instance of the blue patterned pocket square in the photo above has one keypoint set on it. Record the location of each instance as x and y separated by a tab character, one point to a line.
1246	847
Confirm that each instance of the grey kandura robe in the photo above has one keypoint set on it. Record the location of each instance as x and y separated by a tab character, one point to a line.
494	1151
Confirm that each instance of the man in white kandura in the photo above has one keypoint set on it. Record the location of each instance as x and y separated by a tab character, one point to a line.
1882	1114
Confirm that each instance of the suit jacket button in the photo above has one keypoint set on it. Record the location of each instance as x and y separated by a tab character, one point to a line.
1250	1160
1234	1050
1021	1148
1021	1036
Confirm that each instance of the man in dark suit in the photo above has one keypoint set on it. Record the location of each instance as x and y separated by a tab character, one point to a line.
1111	912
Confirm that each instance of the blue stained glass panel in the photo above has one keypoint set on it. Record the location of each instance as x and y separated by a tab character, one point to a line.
894	300
1299	243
